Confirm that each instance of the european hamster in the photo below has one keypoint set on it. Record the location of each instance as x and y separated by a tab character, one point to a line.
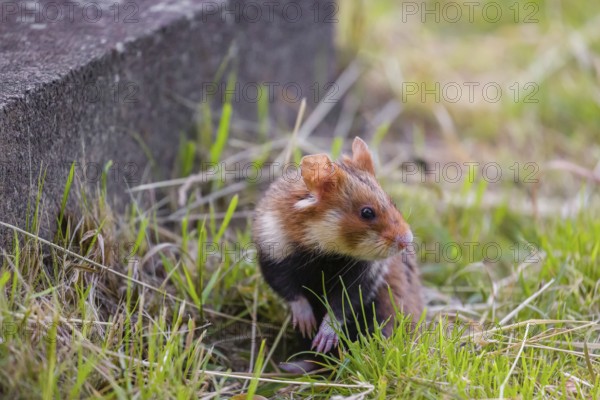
333	234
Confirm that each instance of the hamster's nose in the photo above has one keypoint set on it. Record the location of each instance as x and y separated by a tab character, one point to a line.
404	240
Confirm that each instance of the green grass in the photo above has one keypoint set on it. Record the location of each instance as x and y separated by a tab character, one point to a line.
95	323
167	302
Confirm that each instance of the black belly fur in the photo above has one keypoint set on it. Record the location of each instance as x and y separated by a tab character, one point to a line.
310	273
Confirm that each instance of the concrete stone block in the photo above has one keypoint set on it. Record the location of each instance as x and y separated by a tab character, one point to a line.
88	81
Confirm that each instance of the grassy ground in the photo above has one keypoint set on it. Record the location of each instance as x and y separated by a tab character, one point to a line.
165	300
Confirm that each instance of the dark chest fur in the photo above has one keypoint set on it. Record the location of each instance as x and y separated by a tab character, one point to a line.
313	274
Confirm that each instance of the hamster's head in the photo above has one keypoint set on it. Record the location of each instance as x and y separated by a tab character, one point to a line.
346	211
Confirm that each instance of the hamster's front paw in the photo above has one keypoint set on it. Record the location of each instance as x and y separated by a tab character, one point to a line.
303	316
326	338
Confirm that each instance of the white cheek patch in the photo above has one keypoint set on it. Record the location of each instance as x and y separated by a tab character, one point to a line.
272	235
324	233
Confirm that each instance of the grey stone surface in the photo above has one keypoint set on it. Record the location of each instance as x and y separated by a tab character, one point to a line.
87	81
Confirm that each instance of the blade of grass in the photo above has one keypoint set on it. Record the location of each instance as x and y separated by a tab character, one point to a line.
230	210
65	196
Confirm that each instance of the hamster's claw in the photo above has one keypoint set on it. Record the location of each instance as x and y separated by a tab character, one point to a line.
326	338
303	317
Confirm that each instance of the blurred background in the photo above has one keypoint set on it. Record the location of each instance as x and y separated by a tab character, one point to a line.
484	81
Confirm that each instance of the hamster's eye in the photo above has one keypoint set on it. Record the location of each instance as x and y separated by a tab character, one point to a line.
367	213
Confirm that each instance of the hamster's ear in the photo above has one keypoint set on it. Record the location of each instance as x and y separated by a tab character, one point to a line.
318	172
361	156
